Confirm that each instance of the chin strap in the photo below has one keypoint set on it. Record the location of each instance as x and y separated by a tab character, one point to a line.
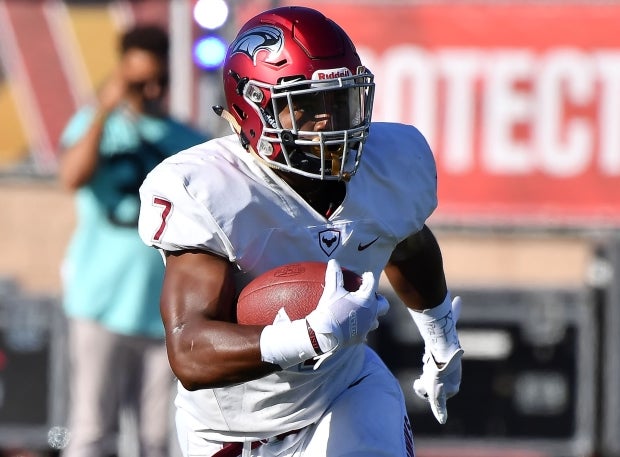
221	112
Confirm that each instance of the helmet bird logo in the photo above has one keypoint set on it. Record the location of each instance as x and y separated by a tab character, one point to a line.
264	38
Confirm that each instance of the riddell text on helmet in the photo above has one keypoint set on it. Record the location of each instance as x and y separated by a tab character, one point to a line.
331	74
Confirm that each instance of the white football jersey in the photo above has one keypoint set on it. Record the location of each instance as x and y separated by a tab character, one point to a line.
218	197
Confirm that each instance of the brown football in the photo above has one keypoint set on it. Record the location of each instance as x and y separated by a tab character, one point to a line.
296	287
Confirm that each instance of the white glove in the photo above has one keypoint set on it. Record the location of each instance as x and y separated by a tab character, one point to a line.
441	373
286	343
436	384
344	318
341	318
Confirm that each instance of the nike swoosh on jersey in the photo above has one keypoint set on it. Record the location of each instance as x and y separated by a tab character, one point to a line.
361	247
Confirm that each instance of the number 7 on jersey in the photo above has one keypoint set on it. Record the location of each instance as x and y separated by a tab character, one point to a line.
165	213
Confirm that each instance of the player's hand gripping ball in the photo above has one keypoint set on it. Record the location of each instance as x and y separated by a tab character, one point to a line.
296	287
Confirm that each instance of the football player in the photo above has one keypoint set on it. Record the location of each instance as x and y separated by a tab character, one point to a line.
305	176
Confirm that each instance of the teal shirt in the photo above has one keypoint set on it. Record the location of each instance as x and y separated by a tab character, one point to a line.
110	275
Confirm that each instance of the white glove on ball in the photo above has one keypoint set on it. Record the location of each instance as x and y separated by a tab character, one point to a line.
340	319
344	318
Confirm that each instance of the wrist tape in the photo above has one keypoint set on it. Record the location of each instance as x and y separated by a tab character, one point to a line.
438	329
287	343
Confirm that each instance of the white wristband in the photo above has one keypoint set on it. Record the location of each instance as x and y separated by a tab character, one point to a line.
438	329
286	343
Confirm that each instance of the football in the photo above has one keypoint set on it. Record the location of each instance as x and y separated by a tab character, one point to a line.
296	287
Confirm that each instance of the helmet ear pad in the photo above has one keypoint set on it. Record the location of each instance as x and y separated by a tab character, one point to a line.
250	123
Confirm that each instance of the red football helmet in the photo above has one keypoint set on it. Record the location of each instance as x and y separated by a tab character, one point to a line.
295	85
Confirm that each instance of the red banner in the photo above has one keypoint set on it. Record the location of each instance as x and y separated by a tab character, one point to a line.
520	102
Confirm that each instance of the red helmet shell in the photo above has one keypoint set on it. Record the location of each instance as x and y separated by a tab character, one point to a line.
276	44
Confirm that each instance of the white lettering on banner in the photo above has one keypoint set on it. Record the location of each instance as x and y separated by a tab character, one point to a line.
408	67
564	103
570	72
609	67
460	72
503	107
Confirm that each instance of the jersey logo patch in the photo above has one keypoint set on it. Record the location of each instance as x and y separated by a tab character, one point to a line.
329	240
264	38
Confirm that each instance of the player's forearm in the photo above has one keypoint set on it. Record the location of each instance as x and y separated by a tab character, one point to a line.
216	354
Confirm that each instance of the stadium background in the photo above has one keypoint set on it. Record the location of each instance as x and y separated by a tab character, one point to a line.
520	101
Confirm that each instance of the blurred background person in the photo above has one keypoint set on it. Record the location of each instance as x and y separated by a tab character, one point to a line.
112	281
